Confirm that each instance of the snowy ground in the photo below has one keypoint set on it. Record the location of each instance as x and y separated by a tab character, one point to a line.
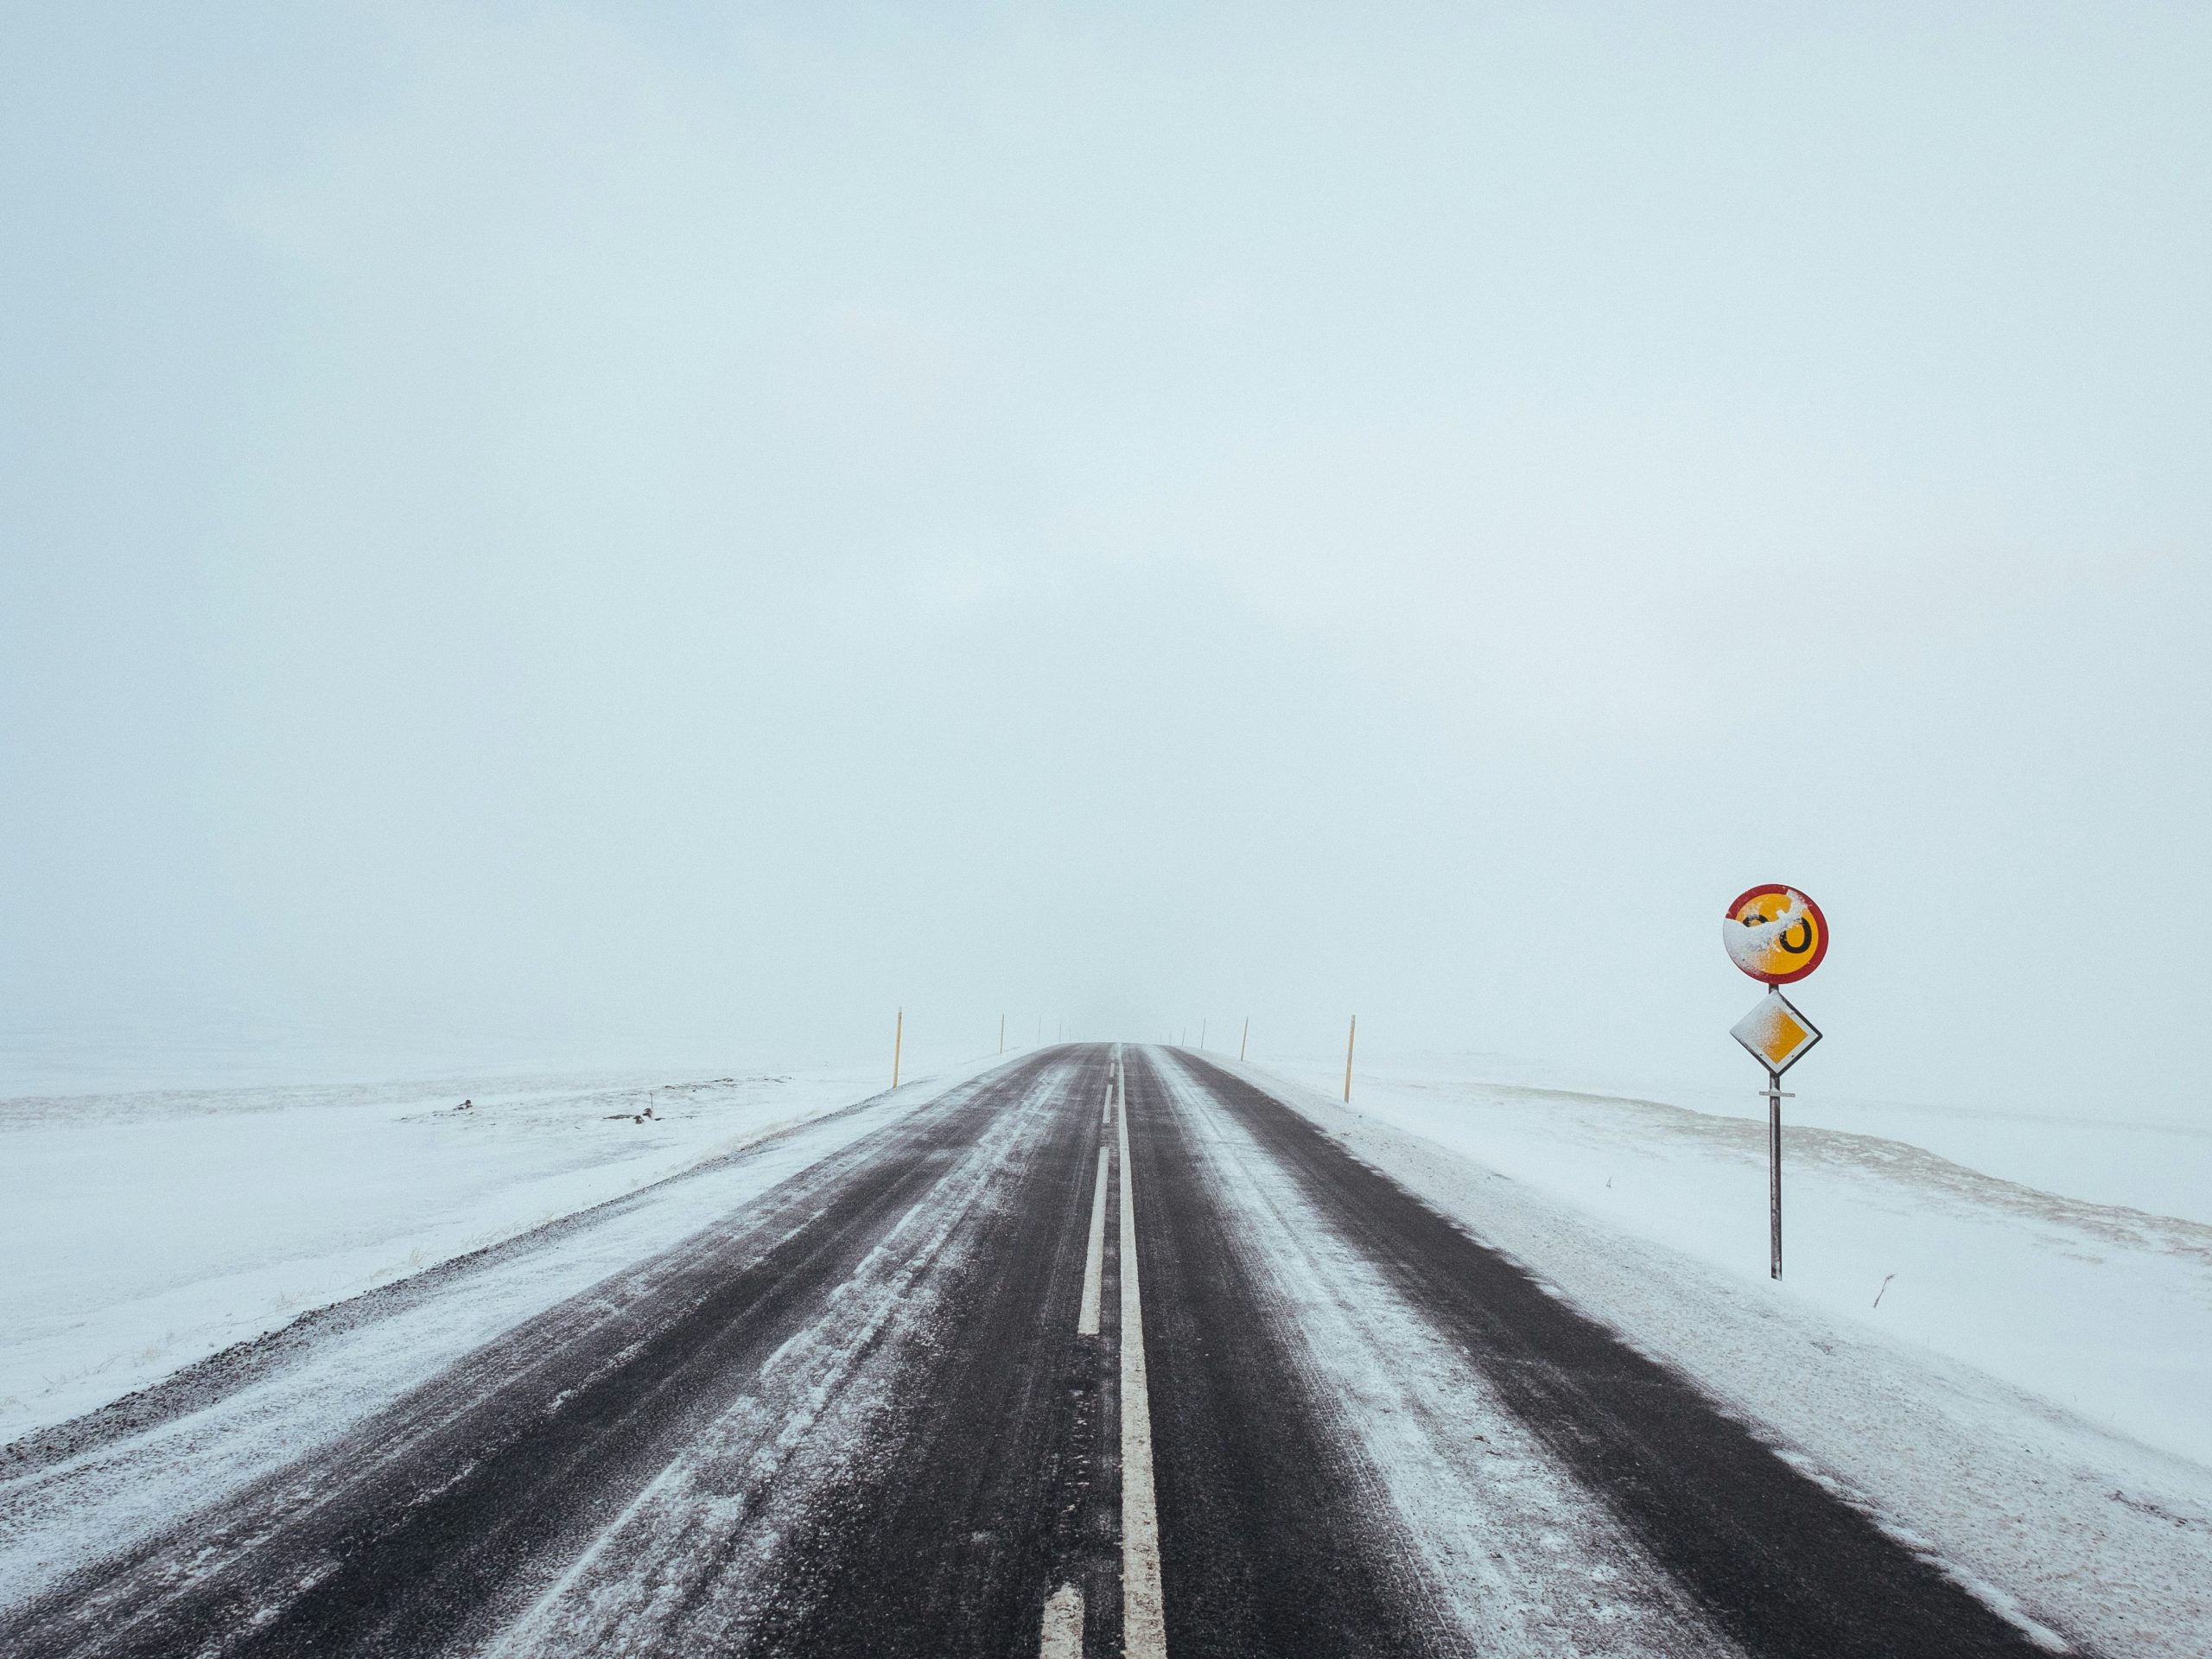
145	1231
2137	1149
2028	1401
2105	1308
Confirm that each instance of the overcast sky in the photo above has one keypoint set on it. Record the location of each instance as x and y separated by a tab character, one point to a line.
638	529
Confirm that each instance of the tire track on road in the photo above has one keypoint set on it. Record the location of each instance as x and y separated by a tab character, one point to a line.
921	1509
1273	1538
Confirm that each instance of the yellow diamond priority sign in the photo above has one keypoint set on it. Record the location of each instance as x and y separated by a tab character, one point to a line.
1776	1033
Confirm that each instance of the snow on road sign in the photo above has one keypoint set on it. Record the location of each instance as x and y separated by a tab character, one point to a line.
1775	934
1776	1033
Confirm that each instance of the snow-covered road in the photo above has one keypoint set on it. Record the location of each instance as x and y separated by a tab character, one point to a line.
861	1381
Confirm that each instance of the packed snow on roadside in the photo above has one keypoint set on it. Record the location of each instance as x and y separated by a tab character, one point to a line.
146	1230
2013	1379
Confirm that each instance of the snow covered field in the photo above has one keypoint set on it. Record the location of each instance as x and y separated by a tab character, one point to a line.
145	1231
2029	1402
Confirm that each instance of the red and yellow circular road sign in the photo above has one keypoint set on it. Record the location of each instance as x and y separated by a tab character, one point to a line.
1775	934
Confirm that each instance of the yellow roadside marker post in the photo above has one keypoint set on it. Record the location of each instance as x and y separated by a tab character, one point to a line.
897	1041
1778	936
1350	1037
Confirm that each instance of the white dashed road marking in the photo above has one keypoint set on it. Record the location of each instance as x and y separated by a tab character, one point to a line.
1094	1261
1144	1631
1063	1637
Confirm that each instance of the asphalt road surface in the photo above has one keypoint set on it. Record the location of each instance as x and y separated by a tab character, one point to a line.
1106	1353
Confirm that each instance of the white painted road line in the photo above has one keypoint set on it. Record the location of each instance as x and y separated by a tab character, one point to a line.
1063	1637
1094	1261
1144	1628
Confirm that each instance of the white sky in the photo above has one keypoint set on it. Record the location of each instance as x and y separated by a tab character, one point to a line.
614	529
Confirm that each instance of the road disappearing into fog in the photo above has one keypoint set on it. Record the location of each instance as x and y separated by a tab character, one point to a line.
1107	1351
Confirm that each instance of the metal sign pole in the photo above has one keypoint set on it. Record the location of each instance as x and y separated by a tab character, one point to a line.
1774	1172
1774	1095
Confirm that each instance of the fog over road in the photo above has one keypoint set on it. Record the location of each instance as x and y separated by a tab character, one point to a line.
1108	1350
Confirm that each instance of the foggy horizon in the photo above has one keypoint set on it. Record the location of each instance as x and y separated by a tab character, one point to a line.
603	534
